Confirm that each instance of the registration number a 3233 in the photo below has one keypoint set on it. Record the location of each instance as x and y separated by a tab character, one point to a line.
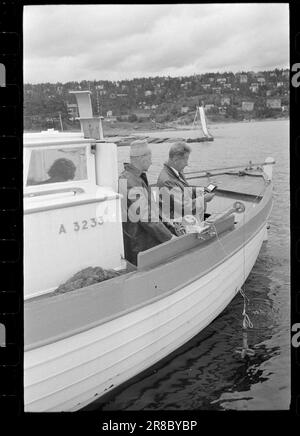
81	225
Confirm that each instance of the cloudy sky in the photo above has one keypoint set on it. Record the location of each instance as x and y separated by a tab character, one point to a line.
113	42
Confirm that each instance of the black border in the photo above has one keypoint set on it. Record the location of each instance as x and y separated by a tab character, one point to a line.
295	205
11	218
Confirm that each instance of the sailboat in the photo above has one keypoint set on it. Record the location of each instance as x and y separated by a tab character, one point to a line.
201	115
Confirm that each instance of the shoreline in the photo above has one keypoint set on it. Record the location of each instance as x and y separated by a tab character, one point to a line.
137	128
117	131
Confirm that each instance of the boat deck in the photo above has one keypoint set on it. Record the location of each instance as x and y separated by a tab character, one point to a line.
231	187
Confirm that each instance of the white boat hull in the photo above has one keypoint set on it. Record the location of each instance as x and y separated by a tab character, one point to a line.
70	373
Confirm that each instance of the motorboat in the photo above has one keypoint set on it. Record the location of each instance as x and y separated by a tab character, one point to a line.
83	343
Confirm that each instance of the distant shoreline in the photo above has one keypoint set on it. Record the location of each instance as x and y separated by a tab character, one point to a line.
137	128
115	131
232	120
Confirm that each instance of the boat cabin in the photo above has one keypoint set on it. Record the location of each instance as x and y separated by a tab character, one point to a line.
71	208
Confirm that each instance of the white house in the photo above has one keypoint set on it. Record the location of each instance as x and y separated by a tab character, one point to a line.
247	106
274	103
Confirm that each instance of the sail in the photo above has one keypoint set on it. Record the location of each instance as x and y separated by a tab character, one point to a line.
203	121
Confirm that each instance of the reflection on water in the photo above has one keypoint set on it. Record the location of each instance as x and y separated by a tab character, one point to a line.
207	374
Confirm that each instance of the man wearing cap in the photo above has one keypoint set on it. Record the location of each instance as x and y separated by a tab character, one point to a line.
172	178
140	230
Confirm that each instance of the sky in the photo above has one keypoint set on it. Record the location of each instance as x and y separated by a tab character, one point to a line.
65	43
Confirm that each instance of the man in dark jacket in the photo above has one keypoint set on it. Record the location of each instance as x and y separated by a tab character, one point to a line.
189	199
141	228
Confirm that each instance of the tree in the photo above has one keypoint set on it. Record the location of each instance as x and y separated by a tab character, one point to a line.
132	118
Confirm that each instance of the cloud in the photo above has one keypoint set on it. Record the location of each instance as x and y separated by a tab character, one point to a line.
113	42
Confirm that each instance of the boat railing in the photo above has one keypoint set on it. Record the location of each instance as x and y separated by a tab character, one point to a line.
75	191
224	170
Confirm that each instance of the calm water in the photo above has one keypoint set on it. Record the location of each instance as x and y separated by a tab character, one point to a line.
207	374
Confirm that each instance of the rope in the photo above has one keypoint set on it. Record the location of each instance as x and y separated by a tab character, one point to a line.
244	350
218	239
246	320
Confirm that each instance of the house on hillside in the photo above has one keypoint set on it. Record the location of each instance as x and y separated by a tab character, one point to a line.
247	106
274	103
208	107
29	92
243	78
261	80
254	87
110	118
184	109
225	101
72	109
124	117
142	114
286	74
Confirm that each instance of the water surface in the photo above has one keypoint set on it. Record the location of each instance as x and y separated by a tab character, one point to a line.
207	374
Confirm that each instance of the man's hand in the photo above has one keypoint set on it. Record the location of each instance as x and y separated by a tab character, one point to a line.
208	197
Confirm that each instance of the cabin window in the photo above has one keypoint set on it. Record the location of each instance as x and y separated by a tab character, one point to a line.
55	165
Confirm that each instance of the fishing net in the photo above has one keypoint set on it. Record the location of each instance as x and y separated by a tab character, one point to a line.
88	276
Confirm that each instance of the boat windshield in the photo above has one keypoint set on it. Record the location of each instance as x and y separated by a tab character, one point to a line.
54	165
